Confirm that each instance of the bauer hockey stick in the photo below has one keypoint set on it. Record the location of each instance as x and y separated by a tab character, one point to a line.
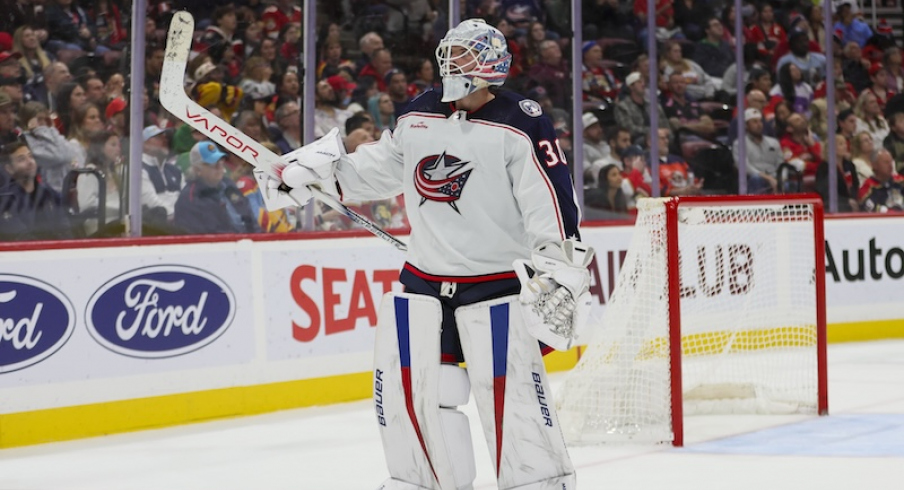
175	100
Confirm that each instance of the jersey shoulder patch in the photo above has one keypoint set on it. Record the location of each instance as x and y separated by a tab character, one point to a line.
531	108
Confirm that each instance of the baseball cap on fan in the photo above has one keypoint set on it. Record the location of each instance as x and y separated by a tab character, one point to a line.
205	152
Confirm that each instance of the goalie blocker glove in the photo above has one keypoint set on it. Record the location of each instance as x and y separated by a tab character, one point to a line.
555	291
310	165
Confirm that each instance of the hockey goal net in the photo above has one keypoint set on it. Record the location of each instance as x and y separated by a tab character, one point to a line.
719	308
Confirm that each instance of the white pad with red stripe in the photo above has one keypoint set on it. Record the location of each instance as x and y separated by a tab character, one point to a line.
426	447
511	388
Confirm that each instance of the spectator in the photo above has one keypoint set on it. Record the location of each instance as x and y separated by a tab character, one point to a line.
218	40
595	147
29	208
327	111
699	84
8	130
879	85
70	97
290	44
397	89
755	99
161	181
852	29
288	120
894	142
848	185
844	92
792	87
34	62
85	121
278	15
382	110
764	155
68	27
55	76
619	140
637	175
211	203
812	65
552	73
598	82
675	175
94	90
379	66
209	90
116	115
252	35
855	67
633	112
884	190
368	45
713	53
767	33
728	21
255	81
536	34
115	87
682	113
424	78
819	119
798	146
53	154
107	22
892	61
332	62
12	79
862	147
609	195
362	120
870	117
104	155
847	125
269	51
751	63
815	28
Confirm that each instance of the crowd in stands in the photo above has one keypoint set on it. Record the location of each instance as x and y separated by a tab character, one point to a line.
64	110
785	112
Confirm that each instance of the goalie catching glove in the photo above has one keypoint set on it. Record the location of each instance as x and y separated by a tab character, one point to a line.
310	165
555	291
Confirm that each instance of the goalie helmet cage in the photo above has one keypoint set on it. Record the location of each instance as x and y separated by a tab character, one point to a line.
719	308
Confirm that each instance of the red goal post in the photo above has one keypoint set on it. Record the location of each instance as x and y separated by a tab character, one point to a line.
749	336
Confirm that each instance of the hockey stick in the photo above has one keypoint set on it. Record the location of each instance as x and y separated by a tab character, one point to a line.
174	99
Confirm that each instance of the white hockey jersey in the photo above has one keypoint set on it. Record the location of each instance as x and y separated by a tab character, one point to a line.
481	189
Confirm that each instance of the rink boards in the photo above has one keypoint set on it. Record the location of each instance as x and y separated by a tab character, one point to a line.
149	333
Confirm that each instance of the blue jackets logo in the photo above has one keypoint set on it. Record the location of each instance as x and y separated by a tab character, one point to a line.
160	311
36	320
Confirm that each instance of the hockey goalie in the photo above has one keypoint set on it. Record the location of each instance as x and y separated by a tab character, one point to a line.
495	274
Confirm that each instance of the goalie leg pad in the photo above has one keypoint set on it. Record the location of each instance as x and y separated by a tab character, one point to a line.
423	445
510	386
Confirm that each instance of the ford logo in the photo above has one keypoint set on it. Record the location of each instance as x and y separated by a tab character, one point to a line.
36	319
160	311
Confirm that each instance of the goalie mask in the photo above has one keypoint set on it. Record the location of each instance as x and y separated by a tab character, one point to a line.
472	56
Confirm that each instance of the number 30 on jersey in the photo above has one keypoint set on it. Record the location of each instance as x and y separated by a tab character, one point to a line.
552	156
